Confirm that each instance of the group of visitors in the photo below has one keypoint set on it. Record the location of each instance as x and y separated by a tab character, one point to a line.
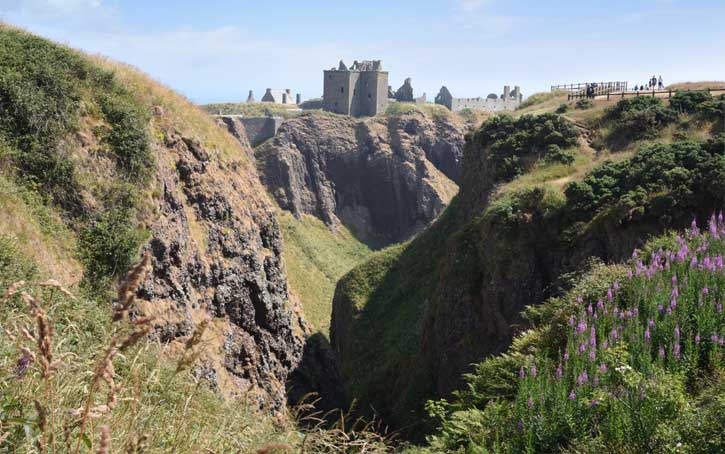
653	83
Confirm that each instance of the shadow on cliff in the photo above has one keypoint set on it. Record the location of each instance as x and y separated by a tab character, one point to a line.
316	379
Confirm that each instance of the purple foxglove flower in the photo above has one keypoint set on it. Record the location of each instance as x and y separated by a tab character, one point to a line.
579	300
635	254
600	304
582	347
530	403
566	356
610	296
616	285
676	350
603	368
571	320
669	311
693	262
589	309
635	311
585	377
593	336
651	323
595	316
605	344
697	338
613	334
593	403
675	292
616	310
592	355
721	341
677	331
630	275
572	395
674	279
719	308
522	374
533	371
559	372
646	334
705	291
714	337
662	352
673	304
628	315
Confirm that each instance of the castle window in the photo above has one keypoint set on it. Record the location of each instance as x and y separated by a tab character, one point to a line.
342	89
370	96
354	91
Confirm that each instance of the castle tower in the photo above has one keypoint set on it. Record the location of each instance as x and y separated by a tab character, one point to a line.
250	98
361	90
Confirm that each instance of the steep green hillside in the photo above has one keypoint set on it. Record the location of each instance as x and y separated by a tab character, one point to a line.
316	258
453	295
630	360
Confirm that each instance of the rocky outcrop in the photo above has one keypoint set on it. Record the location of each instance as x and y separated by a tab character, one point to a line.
216	249
385	178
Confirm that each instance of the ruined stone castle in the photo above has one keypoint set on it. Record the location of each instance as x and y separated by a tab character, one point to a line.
508	100
359	91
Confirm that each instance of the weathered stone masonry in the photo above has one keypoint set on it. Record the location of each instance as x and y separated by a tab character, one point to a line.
360	91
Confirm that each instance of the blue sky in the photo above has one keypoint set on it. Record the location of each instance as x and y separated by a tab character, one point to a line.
218	50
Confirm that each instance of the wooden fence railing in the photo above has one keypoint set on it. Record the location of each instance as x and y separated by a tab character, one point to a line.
623	94
601	86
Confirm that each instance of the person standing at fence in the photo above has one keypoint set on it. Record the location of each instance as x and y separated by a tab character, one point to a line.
660	84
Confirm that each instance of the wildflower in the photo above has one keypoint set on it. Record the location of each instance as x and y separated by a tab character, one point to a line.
628	315
581	326
571	320
605	344
718	308
579	300
674	279
592	355
616	285
630	275
595	380
520	426
662	352
697	338
635	311
613	334
675	292
593	337
582	347
610	297
673	304
600	304
705	291
660	308
646	334
616	311
590	310
530	403
713	338
572	395
677	331
651	323
676	350
593	403
693	262
533	371
566	356
522	374
603	368
559	371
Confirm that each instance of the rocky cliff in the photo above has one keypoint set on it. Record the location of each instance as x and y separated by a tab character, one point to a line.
216	250
385	178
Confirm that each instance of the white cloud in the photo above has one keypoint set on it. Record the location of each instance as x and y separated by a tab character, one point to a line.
469	6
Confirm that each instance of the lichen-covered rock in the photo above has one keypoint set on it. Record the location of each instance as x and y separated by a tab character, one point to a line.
385	178
216	250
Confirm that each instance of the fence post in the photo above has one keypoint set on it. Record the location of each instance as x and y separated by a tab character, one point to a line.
622	94
607	96
669	95
653	93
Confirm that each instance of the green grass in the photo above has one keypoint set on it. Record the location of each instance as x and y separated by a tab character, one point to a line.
251	109
315	258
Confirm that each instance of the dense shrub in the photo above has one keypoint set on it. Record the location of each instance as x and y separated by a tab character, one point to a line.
584	103
688	101
555	155
680	169
563	108
640	118
516	143
636	365
714	108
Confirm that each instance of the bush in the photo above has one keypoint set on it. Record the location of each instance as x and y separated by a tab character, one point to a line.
689	101
128	137
108	247
713	109
515	144
679	169
555	155
584	103
563	108
641	117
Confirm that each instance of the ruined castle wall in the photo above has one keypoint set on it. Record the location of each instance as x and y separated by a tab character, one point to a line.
259	129
487	104
338	91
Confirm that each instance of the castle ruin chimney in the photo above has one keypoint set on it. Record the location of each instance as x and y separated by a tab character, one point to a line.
506	91
250	98
298	99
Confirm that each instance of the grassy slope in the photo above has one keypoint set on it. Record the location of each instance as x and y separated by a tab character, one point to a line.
173	410
391	288
255	109
315	259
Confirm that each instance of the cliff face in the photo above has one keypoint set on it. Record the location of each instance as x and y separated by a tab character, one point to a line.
385	178
216	250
